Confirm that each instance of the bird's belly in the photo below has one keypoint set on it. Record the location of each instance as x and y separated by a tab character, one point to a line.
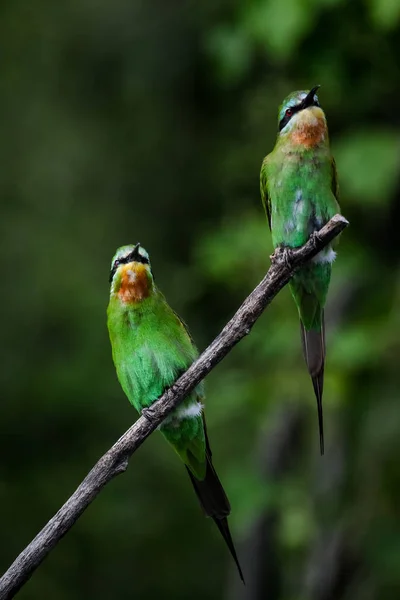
298	209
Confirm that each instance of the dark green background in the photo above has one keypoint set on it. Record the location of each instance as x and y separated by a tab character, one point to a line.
130	121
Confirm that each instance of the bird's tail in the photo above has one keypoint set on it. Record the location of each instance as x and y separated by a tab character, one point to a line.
214	501
215	504
313	341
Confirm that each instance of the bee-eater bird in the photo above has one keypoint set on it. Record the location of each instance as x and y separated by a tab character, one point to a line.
299	191
151	348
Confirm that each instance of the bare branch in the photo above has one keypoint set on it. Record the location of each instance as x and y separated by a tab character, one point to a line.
115	461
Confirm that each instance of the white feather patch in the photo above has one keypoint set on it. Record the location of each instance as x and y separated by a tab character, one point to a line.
132	275
191	411
325	256
185	412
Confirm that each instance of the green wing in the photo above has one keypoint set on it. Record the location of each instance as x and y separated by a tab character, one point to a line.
186	435
335	183
264	190
186	328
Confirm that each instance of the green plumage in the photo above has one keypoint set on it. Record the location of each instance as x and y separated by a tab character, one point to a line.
300	194
151	348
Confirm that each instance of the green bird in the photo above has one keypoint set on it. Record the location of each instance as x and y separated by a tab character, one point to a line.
299	190
151	348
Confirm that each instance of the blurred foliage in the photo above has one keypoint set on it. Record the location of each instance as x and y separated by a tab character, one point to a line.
129	120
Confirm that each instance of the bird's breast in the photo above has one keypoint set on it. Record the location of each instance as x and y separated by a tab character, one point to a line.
310	128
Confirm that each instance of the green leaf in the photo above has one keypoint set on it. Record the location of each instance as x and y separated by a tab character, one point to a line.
385	13
231	50
368	163
279	24
240	247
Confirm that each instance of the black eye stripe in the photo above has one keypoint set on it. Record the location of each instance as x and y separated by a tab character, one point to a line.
132	257
112	273
285	120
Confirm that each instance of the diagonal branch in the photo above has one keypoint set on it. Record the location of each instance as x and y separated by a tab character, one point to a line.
115	461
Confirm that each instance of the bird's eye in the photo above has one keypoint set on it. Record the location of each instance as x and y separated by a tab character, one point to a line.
116	263
288	112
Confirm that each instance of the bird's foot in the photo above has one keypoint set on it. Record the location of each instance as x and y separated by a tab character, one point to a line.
149	413
315	238
282	254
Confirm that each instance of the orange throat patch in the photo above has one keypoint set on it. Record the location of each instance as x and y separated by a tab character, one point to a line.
135	283
311	128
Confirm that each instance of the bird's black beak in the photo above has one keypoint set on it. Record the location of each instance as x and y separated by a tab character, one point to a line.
135	252
309	99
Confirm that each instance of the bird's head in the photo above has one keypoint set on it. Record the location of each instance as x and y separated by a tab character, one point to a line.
302	119
131	277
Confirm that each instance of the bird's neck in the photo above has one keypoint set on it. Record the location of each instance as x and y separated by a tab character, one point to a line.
133	285
309	131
